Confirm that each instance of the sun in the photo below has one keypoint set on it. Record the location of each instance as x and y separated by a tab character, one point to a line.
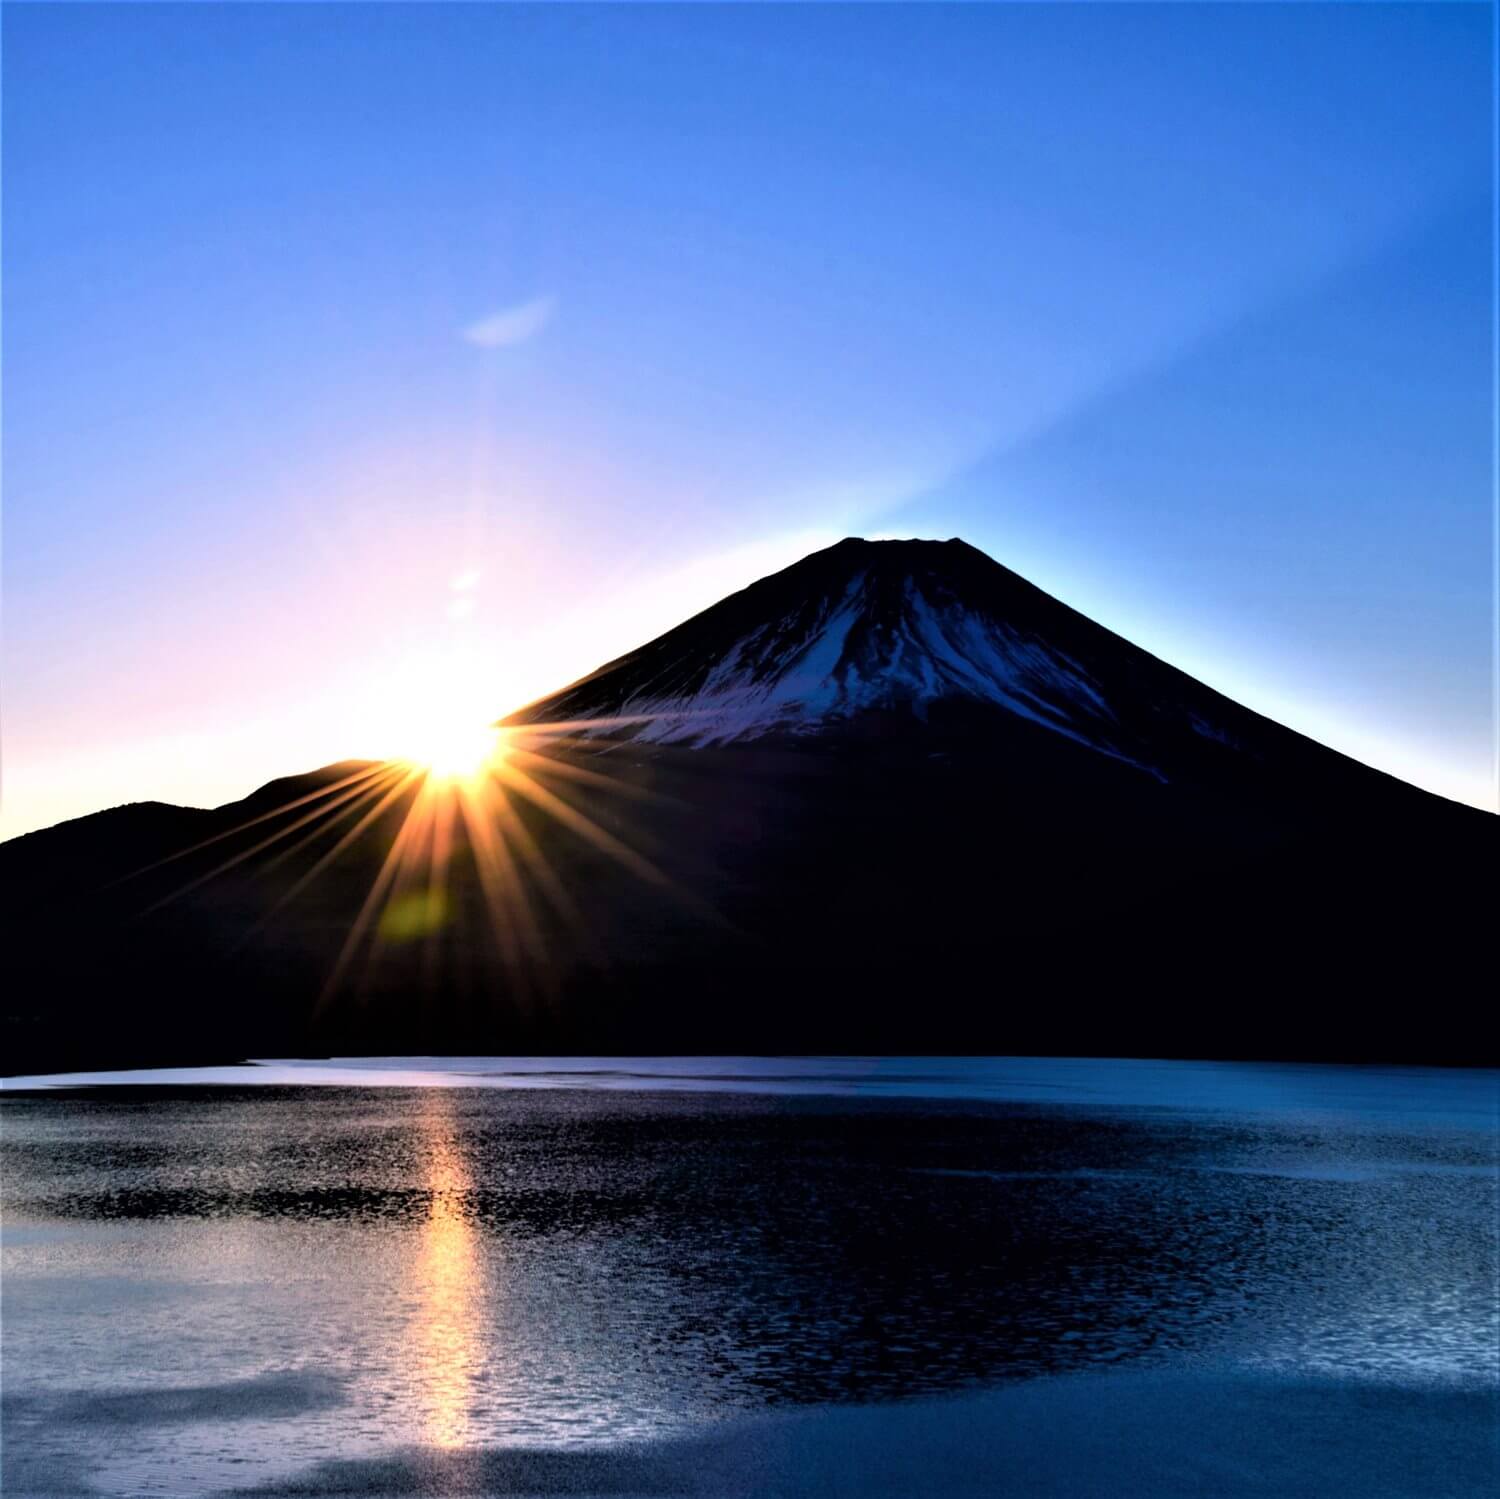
457	750
434	711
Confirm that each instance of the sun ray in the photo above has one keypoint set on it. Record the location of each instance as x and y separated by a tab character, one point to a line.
473	805
308	875
250	822
586	828
439	854
395	856
411	909
513	920
358	792
535	859
600	838
349	809
560	727
553	765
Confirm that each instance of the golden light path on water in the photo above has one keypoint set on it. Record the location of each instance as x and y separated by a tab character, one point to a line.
449	1284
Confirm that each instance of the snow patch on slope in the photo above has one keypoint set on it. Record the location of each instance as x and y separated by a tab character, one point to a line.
800	676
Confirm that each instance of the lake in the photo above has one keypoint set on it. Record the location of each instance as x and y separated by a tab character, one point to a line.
751	1276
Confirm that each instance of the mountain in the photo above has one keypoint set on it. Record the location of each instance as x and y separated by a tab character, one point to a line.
904	638
893	798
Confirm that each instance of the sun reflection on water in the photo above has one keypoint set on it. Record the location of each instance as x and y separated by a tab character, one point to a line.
448	1279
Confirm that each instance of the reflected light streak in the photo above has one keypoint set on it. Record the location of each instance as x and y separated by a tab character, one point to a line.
448	1282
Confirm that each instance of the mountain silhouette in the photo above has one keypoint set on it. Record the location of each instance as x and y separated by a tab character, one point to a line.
902	638
892	798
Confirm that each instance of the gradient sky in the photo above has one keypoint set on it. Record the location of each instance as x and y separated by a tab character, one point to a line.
363	361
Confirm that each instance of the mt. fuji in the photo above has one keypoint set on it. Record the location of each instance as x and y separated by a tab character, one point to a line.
893	798
905	641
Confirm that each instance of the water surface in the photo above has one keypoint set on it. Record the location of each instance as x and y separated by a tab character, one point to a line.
231	1278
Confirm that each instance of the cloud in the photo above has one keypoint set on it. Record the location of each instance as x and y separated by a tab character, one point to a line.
512	325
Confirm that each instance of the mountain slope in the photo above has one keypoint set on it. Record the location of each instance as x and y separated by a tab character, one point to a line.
894	638
863	626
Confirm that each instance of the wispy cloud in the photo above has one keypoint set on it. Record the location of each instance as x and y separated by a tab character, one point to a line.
512	325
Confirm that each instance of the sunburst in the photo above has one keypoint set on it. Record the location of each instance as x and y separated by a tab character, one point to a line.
479	793
458	751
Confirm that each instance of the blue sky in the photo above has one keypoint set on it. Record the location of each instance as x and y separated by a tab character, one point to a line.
363	360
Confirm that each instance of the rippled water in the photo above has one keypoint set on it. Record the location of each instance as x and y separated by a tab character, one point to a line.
214	1286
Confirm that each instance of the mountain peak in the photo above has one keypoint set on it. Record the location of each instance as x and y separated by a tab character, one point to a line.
889	550
893	543
897	629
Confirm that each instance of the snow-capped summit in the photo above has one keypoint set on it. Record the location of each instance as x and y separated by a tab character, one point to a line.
895	628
